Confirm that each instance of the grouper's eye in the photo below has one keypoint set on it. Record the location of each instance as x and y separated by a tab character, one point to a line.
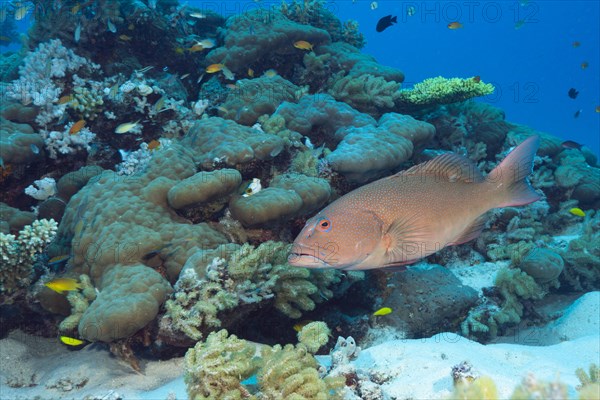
324	224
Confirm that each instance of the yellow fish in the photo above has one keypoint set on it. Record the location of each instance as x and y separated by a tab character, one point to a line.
69	341
126	127
212	68
303	45
125	38
250	72
195	48
21	12
75	8
397	220
383	311
270	73
577	211
61	285
298	326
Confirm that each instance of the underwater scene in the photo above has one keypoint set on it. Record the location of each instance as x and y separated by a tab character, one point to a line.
299	199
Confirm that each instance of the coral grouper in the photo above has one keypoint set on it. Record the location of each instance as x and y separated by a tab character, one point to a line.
399	219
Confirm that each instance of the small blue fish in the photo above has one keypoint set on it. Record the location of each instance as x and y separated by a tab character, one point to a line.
34	149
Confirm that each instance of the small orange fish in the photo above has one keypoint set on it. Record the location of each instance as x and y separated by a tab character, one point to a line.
195	48
124	38
455	25
65	99
212	68
250	72
179	50
584	65
232	86
77	126
477	79
153	145
576	44
75	8
303	45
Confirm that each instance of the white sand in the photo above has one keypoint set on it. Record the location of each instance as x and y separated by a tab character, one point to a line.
420	368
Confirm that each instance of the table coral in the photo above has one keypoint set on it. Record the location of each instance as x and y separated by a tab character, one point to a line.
439	90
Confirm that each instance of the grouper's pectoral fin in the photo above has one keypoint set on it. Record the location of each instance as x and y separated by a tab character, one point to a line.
404	242
471	232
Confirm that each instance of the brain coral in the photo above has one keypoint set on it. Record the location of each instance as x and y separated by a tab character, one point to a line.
258	37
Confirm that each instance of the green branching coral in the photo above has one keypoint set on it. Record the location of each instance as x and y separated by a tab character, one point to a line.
367	93
314	335
439	90
19	254
582	258
531	389
79	301
482	388
214	369
233	276
514	286
590	383
291	373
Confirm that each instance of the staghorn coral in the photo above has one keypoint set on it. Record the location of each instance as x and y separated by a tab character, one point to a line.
215	368
367	93
439	90
19	253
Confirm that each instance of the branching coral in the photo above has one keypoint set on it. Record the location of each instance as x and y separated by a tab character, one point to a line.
582	258
215	282
439	90
214	369
514	286
19	254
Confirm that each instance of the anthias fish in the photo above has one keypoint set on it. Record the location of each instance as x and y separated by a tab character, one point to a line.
400	219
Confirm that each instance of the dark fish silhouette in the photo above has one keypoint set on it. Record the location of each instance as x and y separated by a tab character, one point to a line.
569	144
385	23
573	93
577	113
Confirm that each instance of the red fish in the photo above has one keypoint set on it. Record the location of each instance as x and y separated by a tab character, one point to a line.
400	219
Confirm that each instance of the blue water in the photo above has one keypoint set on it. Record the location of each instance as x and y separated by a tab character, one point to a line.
532	67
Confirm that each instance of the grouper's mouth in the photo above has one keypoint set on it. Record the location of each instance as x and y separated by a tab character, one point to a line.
307	260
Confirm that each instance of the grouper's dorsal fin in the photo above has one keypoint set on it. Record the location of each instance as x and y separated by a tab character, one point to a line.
450	167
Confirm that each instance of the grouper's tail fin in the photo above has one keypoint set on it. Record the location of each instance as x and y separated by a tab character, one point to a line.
509	178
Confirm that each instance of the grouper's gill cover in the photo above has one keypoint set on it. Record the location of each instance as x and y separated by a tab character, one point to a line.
407	216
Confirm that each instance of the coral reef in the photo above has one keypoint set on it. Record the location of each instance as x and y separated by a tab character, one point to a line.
314	335
255	97
260	38
367	93
19	253
215	368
